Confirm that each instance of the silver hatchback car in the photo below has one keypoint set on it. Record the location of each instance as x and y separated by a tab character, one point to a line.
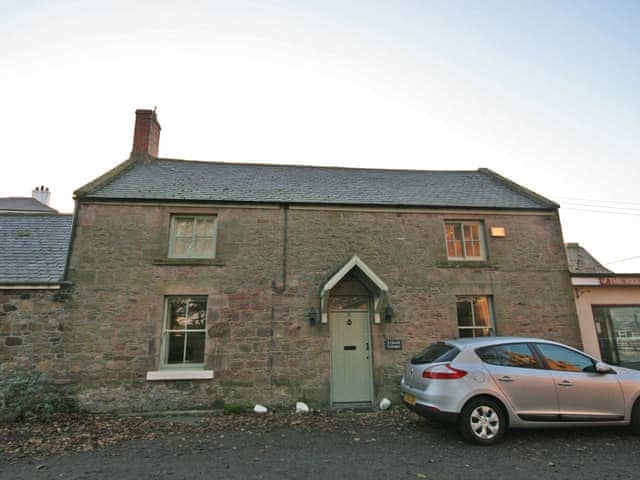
491	383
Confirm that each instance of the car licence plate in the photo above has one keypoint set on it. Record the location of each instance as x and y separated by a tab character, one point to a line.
410	399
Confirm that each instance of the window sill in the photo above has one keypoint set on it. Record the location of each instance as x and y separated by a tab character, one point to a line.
188	261
180	375
465	264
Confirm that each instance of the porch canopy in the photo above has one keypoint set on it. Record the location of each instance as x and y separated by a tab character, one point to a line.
378	289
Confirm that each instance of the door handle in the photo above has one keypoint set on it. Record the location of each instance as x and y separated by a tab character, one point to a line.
506	378
565	383
367	346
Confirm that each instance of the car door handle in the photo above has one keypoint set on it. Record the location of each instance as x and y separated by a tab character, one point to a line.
566	383
506	379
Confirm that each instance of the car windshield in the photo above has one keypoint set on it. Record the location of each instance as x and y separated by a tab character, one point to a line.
436	352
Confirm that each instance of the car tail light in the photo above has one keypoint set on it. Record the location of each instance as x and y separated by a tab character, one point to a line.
443	372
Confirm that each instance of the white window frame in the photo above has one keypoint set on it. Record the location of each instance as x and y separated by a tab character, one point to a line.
460	224
472	299
164	349
195	218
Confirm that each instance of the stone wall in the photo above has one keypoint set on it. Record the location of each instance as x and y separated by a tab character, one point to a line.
260	343
32	330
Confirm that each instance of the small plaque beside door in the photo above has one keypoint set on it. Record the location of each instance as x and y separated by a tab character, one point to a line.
393	344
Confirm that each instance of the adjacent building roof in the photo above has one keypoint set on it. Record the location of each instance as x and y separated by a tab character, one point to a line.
24	205
33	248
167	179
581	261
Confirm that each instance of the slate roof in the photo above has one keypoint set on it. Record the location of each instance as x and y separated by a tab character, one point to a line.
33	248
24	204
167	179
581	261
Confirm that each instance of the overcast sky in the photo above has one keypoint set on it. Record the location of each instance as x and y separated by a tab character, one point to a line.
545	93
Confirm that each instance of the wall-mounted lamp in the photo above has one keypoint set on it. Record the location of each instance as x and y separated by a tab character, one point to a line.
498	232
388	313
313	316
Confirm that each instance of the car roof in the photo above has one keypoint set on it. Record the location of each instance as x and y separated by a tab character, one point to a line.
473	342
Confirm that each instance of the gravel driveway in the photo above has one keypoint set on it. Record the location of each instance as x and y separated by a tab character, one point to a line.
373	446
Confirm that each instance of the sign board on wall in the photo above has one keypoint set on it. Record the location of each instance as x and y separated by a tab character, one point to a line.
620	281
393	344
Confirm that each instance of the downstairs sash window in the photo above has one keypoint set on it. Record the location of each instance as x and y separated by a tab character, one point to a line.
184	332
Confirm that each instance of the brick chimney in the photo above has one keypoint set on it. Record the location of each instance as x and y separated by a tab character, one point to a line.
146	135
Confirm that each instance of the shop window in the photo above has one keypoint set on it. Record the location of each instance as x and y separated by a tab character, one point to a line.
618	329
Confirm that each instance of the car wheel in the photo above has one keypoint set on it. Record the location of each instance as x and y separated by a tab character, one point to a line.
635	418
483	421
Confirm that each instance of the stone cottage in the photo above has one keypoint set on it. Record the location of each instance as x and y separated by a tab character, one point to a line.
202	283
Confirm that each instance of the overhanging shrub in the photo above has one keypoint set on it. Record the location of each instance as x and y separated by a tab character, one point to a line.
32	395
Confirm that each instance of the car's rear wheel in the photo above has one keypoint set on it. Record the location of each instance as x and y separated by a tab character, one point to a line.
483	421
635	418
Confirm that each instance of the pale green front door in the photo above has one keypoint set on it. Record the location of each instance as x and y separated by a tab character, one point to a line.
350	357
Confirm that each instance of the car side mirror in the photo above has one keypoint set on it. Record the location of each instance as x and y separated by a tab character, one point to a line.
602	367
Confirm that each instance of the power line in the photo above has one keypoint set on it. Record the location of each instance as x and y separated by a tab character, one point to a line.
604	206
596	201
623	260
601	211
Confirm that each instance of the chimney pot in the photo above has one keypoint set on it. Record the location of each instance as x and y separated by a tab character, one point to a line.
41	194
146	134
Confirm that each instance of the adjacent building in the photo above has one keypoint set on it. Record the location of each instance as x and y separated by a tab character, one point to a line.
34	245
608	307
37	203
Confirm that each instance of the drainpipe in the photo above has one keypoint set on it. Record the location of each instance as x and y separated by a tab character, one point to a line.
285	210
278	290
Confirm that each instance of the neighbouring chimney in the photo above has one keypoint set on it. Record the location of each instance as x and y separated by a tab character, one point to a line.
42	194
146	135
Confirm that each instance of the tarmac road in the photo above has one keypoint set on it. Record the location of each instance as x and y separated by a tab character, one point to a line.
426	451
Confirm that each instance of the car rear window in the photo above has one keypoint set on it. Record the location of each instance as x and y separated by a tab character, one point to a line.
436	352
